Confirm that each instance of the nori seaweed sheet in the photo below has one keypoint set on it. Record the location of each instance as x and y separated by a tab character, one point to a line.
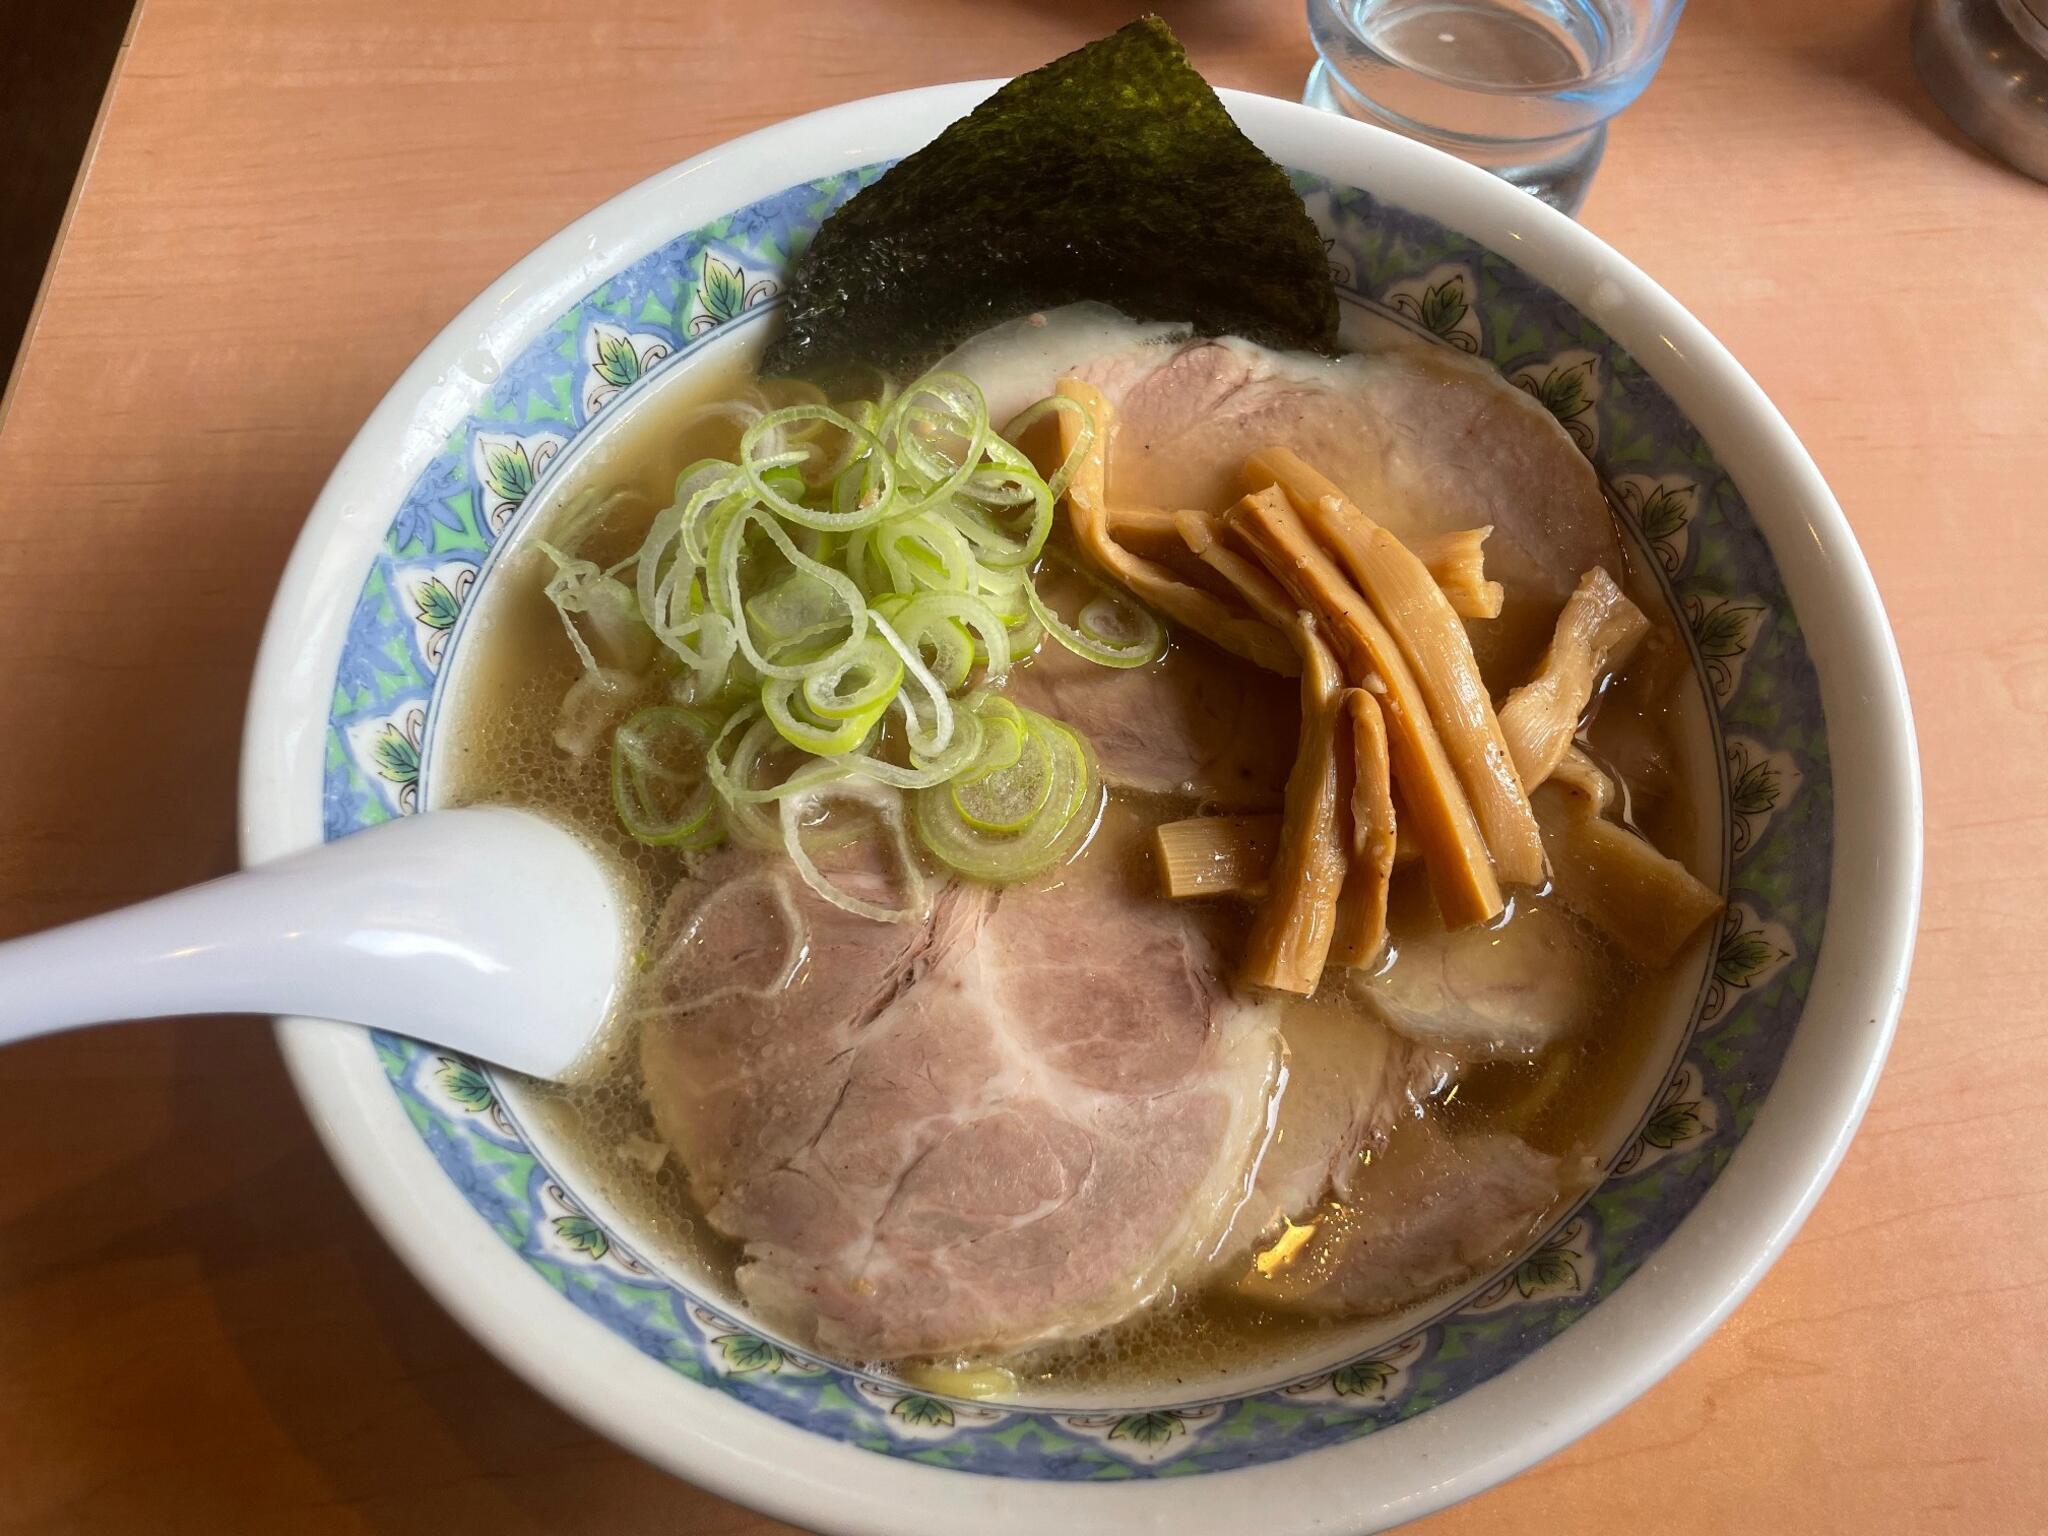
1113	174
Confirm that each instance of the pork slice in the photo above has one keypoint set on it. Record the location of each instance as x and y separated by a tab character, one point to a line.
1349	1084
1196	722
1018	362
1513	990
1431	1212
1425	438
1426	441
1014	1125
753	988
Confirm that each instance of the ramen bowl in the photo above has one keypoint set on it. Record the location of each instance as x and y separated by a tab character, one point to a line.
1752	1097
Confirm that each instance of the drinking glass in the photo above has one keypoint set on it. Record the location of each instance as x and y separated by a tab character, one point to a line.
1986	62
1522	88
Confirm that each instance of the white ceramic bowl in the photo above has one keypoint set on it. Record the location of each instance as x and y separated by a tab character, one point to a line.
321	755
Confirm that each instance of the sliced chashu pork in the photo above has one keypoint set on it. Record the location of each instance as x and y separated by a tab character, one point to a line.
1013	1123
1432	1211
1427	440
1506	990
1196	722
1350	1083
1362	1204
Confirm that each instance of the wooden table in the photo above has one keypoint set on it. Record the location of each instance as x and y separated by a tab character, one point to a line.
198	1331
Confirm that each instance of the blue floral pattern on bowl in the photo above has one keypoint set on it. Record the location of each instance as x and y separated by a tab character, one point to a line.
1688	518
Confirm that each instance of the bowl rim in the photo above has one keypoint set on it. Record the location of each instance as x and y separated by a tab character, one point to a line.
1576	1381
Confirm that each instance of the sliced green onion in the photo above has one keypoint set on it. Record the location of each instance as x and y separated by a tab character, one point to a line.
788	481
1003	591
924	553
956	614
742	412
1007	799
579	587
865	446
725	559
753	736
888	804
1024	637
924	772
661	786
705	644
732	775
799	607
591	707
831	612
1115	629
1052	405
1062	817
862	685
947	647
1002	741
937	406
926	740
649	567
794	722
706	512
982	515
796	392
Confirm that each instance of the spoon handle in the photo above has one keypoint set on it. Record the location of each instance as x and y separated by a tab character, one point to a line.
488	930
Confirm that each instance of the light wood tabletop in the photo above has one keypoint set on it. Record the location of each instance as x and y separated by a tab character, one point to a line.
198	1330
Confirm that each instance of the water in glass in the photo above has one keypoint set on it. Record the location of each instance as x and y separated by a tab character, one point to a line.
1523	88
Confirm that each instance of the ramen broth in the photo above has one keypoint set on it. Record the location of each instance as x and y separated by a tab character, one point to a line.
498	745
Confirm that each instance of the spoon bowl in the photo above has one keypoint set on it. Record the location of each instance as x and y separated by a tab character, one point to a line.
489	931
